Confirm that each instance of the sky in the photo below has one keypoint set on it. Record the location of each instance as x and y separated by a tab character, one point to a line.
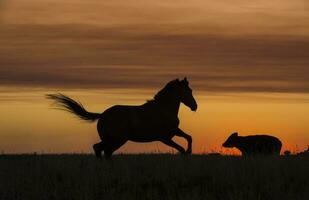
247	63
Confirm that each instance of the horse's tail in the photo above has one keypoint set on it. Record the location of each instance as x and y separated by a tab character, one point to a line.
67	104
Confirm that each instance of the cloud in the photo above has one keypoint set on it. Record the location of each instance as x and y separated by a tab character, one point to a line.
221	48
121	57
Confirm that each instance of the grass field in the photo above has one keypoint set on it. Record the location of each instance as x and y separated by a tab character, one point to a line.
153	176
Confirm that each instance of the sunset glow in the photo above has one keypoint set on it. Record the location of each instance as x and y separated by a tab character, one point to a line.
247	63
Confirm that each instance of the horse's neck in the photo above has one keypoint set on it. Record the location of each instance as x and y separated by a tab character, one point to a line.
171	107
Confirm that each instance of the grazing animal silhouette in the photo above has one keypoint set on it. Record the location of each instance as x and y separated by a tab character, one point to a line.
155	120
254	144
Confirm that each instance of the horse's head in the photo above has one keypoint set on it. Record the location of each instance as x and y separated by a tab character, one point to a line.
185	94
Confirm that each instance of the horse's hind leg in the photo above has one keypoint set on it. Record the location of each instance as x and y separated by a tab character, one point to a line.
112	146
98	148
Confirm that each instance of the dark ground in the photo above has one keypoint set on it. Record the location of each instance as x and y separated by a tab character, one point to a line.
153	176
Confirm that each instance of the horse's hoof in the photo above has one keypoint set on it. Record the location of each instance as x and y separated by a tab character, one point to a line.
189	151
97	152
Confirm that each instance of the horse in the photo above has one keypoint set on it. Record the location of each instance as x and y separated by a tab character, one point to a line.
155	120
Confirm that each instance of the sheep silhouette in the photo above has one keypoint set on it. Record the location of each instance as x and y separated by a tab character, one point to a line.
254	144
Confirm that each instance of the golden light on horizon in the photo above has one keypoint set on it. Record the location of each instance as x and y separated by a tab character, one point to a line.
31	125
247	63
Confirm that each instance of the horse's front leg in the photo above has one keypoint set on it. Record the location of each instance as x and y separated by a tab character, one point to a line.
173	144
180	133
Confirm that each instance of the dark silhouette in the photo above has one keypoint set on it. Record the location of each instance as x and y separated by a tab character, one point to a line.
304	153
156	120
254	144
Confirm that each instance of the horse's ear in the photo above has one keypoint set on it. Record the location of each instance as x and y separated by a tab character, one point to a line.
185	81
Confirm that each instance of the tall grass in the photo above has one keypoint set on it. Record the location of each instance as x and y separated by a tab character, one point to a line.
153	176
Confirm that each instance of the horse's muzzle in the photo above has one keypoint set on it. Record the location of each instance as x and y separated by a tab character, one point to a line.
194	108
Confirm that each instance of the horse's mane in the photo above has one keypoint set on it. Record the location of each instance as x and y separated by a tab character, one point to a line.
165	92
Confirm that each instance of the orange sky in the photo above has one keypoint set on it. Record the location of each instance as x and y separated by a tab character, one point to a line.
247	63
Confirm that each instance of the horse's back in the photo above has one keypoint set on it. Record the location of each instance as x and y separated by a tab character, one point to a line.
119	114
136	123
119	109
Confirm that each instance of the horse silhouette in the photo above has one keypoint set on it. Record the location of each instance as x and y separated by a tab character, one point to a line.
155	120
254	144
